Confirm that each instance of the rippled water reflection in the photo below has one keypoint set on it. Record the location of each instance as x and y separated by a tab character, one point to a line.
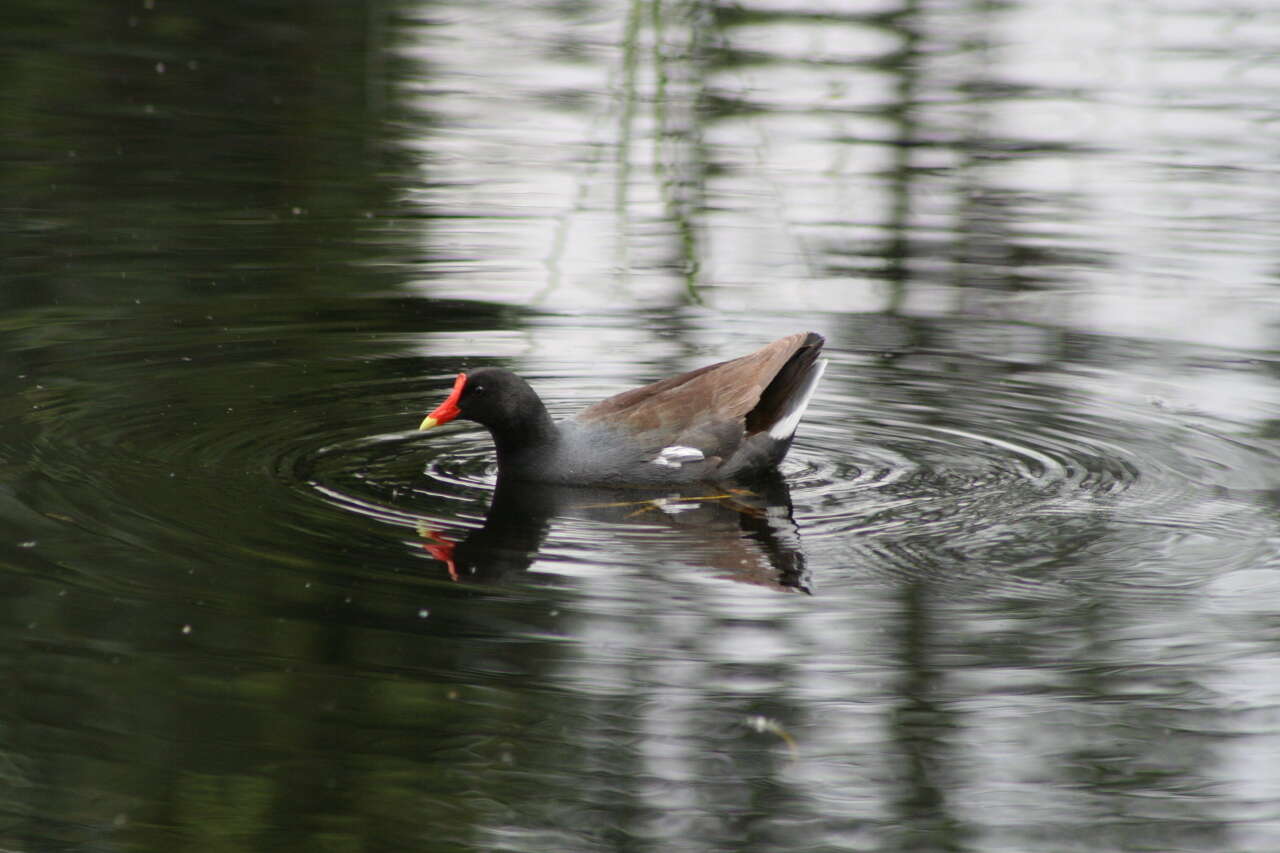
1015	589
1025	584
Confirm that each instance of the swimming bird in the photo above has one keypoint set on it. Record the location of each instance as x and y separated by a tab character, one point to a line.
723	422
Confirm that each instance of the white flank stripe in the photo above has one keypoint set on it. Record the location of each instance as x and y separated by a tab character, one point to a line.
786	425
676	455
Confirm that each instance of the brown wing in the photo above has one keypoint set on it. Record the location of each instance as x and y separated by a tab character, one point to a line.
710	397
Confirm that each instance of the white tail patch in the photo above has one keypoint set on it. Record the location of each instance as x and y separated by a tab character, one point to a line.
676	455
786	425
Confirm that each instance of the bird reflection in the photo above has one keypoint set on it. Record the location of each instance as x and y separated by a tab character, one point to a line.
745	534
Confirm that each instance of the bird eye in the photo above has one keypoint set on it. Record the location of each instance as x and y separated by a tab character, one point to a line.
478	389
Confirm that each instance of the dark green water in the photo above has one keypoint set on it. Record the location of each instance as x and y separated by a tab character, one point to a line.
1018	587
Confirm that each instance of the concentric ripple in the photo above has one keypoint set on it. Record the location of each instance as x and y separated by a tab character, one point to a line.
199	439
234	445
1009	477
396	478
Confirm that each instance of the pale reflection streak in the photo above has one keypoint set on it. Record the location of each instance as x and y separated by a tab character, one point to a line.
645	154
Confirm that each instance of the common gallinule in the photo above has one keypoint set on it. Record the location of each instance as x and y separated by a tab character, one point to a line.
725	421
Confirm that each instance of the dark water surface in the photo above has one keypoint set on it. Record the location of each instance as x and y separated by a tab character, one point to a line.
1017	588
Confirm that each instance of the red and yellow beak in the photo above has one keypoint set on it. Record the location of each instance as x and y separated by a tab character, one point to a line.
448	410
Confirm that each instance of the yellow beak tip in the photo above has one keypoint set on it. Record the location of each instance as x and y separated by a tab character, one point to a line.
428	423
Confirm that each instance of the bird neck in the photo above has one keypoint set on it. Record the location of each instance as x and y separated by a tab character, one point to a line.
533	430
